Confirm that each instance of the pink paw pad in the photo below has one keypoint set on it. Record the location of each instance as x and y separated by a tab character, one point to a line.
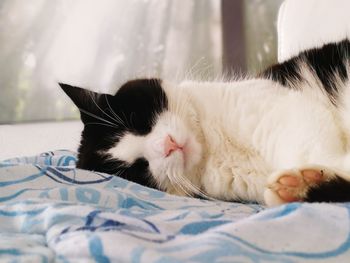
287	196
292	187
289	180
312	176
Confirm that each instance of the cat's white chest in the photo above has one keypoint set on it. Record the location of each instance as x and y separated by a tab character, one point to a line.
232	169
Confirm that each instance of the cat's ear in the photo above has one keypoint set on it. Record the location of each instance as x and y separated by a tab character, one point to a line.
88	102
82	98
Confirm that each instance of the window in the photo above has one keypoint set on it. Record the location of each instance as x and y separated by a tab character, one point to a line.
101	44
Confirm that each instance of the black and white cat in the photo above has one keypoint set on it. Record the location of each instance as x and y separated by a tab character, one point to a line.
280	137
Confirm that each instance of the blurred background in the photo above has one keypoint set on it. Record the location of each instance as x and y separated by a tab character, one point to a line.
99	44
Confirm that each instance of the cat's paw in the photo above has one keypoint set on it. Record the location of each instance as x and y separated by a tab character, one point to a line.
295	185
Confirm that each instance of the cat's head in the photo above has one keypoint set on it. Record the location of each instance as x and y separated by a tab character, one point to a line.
147	132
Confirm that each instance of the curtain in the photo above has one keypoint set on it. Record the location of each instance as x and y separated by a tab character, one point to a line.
260	19
99	44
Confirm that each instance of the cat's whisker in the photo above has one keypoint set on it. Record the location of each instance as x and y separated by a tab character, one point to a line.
178	180
178	183
162	184
118	166
130	117
98	117
195	189
126	120
120	172
93	100
99	123
118	119
174	180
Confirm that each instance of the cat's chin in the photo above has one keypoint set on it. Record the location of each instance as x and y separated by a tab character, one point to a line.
178	163
183	155
176	168
180	159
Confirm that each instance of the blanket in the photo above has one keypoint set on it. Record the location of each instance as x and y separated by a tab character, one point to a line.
50	211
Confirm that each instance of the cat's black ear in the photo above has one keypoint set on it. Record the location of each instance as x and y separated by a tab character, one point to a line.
88	102
82	98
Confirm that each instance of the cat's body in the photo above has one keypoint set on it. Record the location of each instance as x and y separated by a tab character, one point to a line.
283	136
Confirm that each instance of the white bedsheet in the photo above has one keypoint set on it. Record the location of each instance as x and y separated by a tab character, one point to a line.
29	139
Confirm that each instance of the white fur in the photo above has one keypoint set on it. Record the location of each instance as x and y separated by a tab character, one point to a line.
255	127
129	148
237	134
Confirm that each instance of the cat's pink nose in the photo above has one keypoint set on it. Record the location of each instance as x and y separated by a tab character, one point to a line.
170	145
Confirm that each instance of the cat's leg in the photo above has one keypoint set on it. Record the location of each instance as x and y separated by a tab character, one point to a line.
309	184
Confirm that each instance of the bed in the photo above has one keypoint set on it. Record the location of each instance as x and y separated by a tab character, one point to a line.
52	212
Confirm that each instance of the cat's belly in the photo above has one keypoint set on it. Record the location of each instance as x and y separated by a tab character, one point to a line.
233	171
300	133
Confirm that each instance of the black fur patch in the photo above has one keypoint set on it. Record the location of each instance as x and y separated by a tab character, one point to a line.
326	63
106	118
284	73
336	190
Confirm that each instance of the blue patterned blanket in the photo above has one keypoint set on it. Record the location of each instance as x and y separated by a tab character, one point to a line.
52	212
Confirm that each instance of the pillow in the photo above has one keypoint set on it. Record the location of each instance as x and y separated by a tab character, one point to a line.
307	24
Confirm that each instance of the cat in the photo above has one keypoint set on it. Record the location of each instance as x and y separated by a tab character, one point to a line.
279	137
